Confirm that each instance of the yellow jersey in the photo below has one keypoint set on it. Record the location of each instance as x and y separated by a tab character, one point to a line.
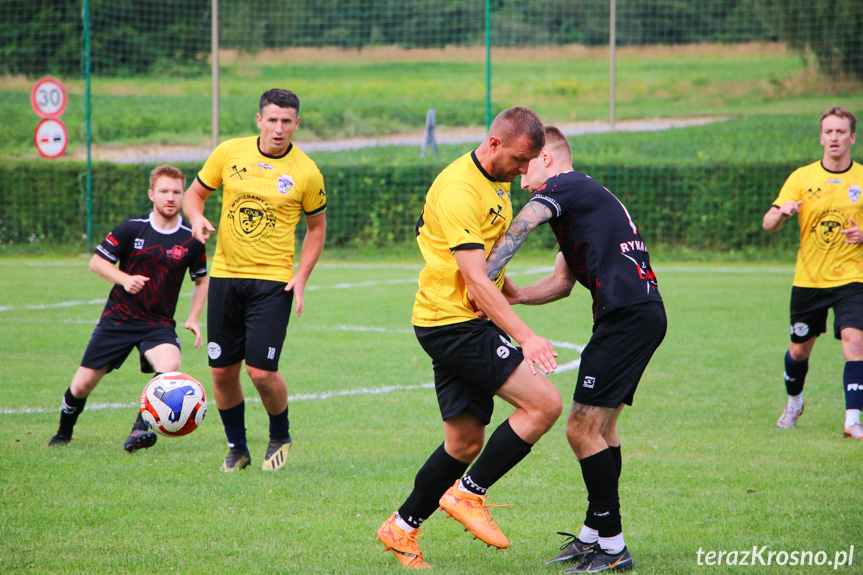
262	198
465	208
830	201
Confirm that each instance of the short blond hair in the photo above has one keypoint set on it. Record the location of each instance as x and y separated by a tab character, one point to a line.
169	172
557	143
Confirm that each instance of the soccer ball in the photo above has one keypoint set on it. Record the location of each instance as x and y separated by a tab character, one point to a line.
173	404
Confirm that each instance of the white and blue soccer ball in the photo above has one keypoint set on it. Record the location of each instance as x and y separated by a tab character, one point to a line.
173	404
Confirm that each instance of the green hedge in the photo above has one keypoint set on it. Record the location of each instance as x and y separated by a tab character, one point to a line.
712	207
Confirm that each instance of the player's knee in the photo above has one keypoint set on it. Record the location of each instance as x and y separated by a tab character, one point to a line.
264	380
580	430
82	389
168	365
800	351
84	382
549	413
547	407
464	448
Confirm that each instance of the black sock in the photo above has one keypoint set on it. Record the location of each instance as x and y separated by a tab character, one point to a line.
279	425
502	452
69	411
433	479
851	381
618	458
600	478
795	374
139	423
234	421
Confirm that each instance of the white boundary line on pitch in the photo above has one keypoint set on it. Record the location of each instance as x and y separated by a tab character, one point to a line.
296	397
308	396
532	271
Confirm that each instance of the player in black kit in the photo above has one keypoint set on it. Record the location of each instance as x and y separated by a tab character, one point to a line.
154	251
600	247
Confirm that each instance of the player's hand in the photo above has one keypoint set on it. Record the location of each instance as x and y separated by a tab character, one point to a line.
852	234
473	304
788	209
193	327
134	284
298	286
539	351
201	229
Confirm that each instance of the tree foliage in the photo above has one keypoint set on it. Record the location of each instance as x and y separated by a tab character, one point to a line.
831	30
173	36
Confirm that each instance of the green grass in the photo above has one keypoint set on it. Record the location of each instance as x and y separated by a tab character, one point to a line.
703	466
350	94
780	138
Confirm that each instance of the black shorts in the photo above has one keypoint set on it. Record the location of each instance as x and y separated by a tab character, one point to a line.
471	360
617	354
247	319
111	345
809	310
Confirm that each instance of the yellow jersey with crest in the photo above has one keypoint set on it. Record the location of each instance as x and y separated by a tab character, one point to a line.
465	208
830	201
262	199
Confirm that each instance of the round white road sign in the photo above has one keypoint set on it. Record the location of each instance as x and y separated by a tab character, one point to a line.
48	98
51	138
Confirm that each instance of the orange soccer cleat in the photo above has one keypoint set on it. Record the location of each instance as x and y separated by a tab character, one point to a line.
402	543
471	511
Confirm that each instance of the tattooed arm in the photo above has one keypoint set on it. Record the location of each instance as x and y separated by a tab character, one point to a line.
529	218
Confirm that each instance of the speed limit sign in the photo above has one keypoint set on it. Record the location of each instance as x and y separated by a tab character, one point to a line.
48	98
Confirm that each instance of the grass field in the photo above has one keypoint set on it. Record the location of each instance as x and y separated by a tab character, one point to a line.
382	91
704	468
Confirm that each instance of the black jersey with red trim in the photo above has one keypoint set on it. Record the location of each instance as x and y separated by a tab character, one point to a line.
163	256
599	241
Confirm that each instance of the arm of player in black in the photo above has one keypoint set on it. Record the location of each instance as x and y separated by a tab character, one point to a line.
528	219
551	288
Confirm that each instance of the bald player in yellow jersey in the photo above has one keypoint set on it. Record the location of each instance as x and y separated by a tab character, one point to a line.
467	209
268	184
827	197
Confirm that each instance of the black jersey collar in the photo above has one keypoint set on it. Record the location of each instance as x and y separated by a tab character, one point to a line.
479	166
851	165
288	151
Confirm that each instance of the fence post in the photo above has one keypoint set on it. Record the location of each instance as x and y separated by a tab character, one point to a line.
612	61
214	71
89	115
487	64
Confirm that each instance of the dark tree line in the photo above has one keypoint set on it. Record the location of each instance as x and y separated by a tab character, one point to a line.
173	36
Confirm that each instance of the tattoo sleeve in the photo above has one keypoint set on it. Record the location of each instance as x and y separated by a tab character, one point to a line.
528	219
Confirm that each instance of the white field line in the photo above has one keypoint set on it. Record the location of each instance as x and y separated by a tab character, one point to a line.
311	396
293	397
330	394
534	271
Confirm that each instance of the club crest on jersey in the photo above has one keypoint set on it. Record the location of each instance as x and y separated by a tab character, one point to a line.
285	184
177	252
826	229
139	243
252	219
854	193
